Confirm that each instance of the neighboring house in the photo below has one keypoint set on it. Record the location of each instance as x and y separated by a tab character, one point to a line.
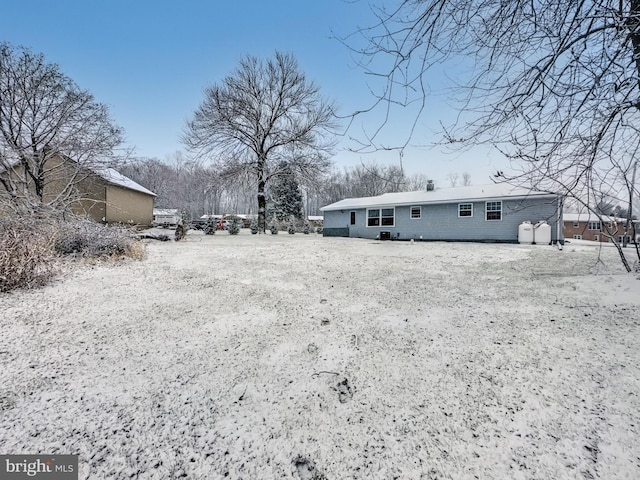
103	194
489	213
166	217
587	226
315	220
117	199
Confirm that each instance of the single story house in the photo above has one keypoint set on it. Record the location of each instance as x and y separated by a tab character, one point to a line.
166	217
486	213
588	226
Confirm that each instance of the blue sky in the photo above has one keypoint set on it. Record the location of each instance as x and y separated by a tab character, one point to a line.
149	61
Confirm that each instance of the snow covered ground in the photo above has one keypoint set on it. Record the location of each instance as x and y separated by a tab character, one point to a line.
302	357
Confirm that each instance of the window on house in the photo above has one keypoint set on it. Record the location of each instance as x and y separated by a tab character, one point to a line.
576	224
416	212
380	217
465	210
594	226
373	217
596	238
388	217
494	210
577	237
352	219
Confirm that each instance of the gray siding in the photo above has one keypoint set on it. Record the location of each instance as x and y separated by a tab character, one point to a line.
441	221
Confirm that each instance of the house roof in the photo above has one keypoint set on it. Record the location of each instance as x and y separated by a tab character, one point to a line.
590	217
496	191
165	211
106	173
116	178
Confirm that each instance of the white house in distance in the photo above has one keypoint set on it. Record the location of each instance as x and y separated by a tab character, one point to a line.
166	217
484	213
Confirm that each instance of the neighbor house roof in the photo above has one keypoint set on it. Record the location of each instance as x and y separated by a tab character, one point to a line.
106	173
496	191
590	217
116	178
165	211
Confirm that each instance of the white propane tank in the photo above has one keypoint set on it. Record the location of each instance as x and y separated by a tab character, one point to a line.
525	233
542	233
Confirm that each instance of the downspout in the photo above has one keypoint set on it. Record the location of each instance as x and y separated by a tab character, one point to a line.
559	225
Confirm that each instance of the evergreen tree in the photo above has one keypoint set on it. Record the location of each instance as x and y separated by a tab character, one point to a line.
286	198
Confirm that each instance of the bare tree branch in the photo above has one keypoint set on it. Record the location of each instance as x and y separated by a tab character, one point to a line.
45	116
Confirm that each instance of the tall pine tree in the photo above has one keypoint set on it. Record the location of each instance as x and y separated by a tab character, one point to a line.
286	198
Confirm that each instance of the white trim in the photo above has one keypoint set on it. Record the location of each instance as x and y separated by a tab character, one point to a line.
380	225
411	212
465	216
486	211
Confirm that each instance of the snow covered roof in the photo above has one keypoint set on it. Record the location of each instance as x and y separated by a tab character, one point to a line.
165	211
106	173
116	178
495	191
590	217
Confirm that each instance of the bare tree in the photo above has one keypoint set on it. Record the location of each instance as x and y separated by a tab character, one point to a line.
466	179
453	179
265	113
554	85
417	181
44	118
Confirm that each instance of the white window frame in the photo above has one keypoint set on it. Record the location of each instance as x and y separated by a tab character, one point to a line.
577	237
595	223
380	217
487	211
419	212
596	238
470	210
576	224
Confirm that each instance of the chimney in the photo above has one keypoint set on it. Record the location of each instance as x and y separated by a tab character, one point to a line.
430	185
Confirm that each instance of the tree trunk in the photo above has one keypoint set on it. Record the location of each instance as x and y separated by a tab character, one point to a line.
262	199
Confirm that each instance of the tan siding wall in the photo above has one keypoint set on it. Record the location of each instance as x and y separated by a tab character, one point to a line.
98	199
93	195
128	206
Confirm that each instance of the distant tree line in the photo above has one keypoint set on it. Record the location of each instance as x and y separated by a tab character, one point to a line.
198	188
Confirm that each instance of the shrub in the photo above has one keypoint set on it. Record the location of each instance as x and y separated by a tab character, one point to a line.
26	255
90	239
254	227
180	232
274	229
233	228
29	247
291	229
305	229
319	230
